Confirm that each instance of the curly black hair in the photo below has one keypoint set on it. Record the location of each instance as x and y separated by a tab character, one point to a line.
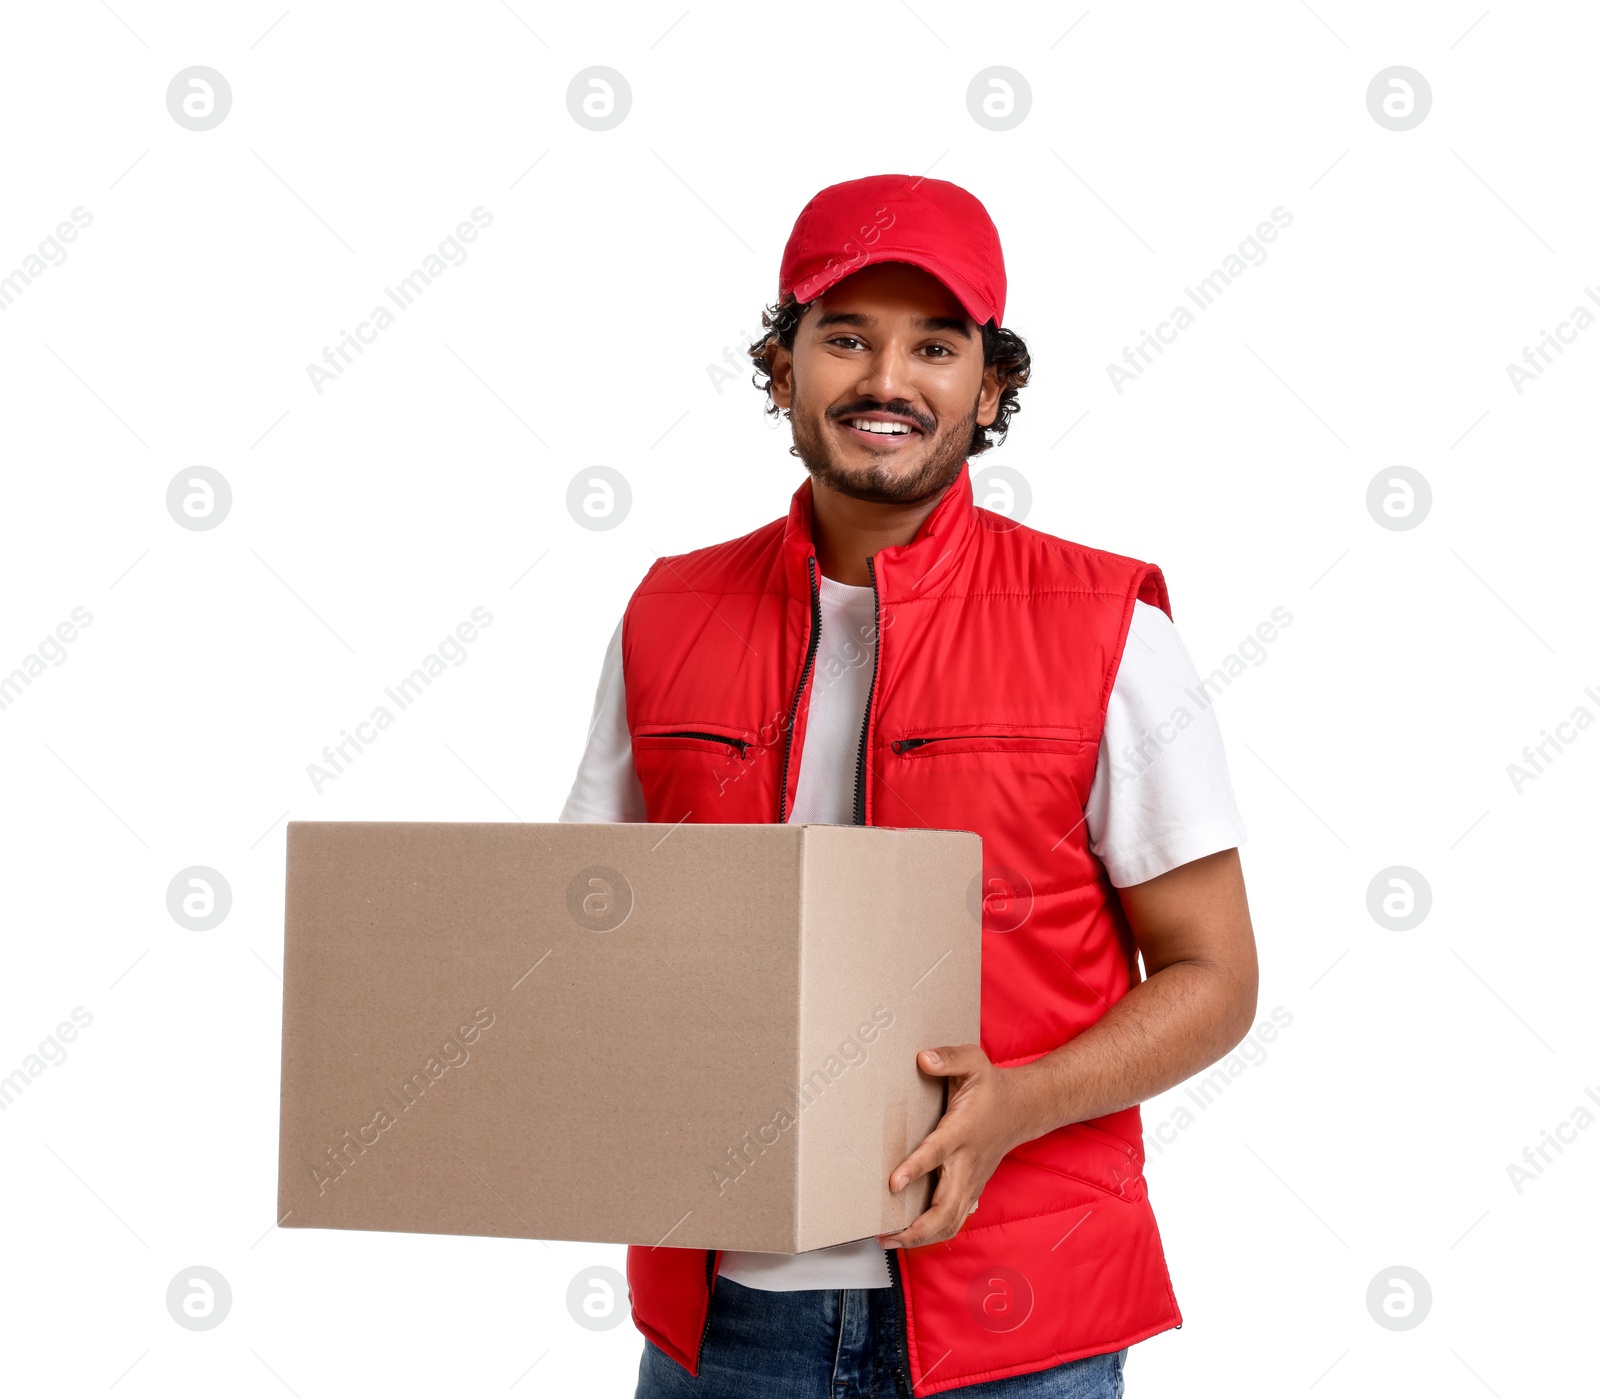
1004	350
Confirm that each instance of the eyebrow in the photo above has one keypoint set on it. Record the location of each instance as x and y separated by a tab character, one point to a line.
851	318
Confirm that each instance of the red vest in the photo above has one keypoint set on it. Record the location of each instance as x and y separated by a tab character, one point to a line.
997	648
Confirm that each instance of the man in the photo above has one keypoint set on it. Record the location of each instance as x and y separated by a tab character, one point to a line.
890	654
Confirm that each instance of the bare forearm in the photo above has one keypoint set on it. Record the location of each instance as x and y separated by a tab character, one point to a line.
1186	1016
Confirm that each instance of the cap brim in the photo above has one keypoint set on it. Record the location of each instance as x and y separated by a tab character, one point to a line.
809	288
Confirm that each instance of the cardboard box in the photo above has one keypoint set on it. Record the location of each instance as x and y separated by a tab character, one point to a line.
691	1036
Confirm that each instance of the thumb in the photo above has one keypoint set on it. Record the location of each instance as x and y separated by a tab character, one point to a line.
948	1059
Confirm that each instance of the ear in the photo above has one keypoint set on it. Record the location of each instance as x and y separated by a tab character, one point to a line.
989	396
780	366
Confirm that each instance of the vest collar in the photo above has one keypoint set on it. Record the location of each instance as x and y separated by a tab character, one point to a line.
902	571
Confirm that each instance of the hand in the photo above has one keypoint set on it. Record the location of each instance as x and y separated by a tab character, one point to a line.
983	1120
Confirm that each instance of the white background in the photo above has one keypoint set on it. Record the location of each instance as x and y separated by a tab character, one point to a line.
430	478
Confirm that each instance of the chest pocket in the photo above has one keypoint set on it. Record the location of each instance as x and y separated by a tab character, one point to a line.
692	740
697	771
1066	743
1020	786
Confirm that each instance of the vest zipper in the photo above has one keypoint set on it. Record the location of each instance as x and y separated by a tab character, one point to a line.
739	743
903	1330
800	689
905	745
866	714
711	1287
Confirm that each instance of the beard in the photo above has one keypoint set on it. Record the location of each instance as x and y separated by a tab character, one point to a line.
879	482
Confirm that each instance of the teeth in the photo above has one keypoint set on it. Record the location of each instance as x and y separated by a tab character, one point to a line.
872	425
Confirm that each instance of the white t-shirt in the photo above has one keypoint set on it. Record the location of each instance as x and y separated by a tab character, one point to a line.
1160	798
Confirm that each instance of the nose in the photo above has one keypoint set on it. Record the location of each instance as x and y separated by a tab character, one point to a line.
886	375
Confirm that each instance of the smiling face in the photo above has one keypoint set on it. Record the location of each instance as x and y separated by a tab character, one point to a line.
885	385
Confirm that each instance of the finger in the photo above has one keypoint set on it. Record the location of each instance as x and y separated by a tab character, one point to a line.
930	1154
950	1059
932	1226
953	1201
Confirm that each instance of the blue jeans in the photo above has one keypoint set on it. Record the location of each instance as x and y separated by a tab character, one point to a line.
833	1345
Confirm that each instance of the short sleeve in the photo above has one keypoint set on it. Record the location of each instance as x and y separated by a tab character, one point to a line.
1161	795
607	788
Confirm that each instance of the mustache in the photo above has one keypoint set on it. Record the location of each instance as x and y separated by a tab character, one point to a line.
896	408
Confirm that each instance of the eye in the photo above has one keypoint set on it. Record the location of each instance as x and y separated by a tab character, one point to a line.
937	351
845	341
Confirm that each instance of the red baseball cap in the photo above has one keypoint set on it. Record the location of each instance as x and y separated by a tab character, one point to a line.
931	224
